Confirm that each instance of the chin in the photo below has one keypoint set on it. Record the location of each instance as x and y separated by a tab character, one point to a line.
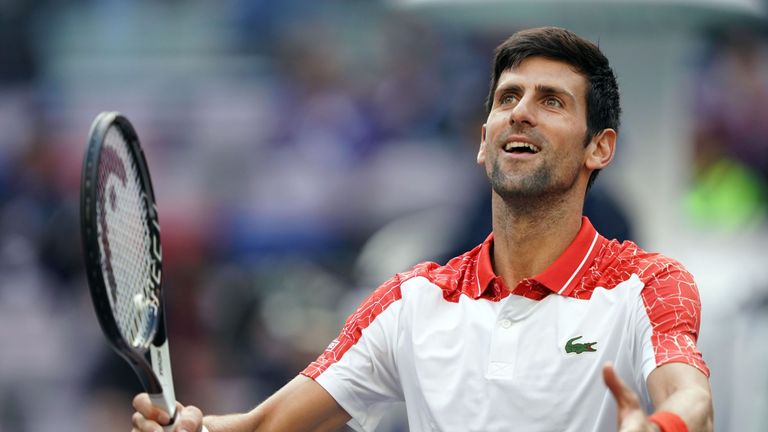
521	187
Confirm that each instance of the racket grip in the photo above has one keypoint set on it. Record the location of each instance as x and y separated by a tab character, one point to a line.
170	427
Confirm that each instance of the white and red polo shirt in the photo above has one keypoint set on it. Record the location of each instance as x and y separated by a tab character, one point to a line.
466	353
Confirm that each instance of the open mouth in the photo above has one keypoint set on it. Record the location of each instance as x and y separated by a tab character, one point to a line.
521	148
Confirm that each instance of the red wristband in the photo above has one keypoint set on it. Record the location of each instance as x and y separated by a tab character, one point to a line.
668	421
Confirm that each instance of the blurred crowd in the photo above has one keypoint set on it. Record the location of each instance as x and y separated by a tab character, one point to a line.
301	153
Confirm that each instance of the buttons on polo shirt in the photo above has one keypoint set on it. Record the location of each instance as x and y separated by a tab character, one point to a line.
502	355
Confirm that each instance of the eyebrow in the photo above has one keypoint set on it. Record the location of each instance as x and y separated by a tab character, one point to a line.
540	88
556	91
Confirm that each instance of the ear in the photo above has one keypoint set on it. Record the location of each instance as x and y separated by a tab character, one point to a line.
481	151
601	149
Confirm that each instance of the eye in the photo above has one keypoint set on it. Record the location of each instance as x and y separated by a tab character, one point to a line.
507	99
552	101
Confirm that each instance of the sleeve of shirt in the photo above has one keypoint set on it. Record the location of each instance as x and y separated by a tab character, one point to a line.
358	368
669	327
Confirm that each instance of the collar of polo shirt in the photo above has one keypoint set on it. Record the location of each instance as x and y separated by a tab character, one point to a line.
562	276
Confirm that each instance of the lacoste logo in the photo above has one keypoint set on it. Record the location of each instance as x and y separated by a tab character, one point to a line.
577	348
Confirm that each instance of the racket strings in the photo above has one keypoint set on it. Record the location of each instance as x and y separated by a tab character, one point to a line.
126	242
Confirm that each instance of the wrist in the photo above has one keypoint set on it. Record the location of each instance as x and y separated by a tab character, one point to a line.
667	421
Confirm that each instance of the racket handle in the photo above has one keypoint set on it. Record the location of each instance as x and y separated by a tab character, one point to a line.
173	421
163	403
168	428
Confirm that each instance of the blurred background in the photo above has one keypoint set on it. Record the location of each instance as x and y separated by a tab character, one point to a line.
302	152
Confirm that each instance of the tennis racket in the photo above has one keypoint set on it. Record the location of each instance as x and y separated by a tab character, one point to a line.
123	258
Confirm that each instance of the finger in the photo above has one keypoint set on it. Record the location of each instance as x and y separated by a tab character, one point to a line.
625	397
143	405
189	419
142	424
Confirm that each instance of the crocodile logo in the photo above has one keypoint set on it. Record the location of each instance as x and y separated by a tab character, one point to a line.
577	348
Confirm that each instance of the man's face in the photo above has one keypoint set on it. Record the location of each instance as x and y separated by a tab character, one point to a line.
533	140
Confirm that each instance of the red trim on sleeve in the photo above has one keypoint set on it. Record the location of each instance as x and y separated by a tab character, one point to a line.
374	305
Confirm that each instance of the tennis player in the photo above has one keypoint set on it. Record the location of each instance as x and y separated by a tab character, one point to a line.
545	326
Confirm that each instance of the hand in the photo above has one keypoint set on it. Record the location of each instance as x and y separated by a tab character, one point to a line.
149	418
632	418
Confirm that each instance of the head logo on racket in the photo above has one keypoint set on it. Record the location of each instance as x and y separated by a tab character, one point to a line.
112	166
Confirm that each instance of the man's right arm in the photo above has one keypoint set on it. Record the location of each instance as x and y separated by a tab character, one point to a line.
301	405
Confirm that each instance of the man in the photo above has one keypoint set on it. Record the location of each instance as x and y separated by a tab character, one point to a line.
525	331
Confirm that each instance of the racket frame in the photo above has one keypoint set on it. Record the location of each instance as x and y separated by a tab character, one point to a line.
153	367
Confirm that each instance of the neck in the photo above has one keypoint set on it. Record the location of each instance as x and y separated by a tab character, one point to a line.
530	236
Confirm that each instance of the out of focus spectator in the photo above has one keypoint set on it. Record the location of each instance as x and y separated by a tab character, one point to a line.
731	135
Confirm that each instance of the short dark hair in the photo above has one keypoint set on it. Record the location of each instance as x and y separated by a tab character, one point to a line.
603	106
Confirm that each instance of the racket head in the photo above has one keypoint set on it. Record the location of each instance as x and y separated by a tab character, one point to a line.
121	243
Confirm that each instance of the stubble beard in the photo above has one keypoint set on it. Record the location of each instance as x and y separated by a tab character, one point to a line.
532	192
532	185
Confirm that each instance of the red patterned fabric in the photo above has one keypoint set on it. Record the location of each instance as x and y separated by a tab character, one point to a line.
670	297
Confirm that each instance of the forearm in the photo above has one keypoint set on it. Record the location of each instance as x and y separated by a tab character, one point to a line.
301	405
231	423
251	423
693	405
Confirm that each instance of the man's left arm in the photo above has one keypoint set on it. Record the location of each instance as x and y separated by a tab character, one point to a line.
667	328
675	388
682	389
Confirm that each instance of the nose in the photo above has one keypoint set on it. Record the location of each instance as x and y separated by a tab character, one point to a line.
523	112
